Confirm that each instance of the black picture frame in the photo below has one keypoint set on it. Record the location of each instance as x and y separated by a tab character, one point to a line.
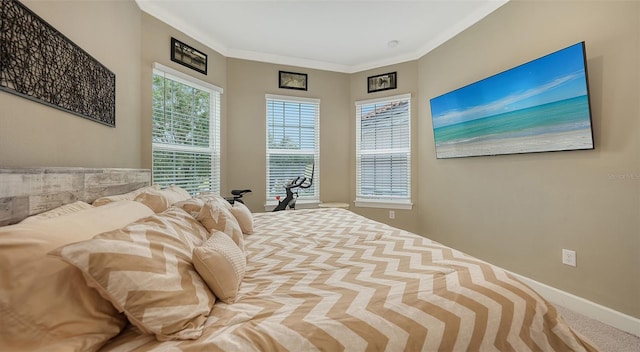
292	80
188	56
382	82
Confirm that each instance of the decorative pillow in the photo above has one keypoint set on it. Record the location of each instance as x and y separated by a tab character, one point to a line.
195	204
243	216
213	197
127	196
221	264
145	271
45	304
176	194
161	200
61	210
214	216
191	206
154	199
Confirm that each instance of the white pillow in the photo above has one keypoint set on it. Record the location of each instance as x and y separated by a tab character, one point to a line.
244	217
222	265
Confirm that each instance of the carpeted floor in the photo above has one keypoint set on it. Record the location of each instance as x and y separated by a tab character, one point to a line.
607	338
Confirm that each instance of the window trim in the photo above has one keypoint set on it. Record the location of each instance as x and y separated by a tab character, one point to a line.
301	202
389	202
185	78
215	121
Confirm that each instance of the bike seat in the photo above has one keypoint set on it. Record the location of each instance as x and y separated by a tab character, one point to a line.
239	192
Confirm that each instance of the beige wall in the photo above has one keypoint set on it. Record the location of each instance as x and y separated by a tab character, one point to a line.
519	211
248	82
32	134
155	43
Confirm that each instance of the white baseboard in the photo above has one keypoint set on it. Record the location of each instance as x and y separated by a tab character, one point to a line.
585	307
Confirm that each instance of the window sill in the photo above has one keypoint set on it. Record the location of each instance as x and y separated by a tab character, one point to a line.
387	204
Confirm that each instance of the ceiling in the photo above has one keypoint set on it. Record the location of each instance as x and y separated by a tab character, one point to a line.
341	36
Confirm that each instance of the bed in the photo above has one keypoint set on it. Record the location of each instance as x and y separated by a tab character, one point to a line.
301	280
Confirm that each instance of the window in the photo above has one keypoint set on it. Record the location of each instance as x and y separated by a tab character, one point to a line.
186	131
293	143
383	152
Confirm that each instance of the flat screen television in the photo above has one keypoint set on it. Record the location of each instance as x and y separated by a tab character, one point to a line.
540	106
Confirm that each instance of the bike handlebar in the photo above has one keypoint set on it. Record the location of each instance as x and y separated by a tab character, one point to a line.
298	182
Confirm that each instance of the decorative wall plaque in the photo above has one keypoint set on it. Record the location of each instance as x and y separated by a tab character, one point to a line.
188	56
39	63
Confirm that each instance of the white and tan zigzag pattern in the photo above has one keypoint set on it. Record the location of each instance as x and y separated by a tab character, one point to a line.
330	280
145	271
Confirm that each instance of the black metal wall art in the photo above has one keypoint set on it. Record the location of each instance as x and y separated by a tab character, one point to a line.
39	63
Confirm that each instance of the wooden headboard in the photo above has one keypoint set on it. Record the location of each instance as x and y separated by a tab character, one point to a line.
30	191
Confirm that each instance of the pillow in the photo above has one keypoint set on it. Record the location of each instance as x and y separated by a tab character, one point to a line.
213	197
154	199
127	196
45	303
214	216
161	200
176	194
221	264
145	271
61	210
191	206
194	205
243	216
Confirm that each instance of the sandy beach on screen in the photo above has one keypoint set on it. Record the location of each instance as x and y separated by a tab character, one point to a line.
578	139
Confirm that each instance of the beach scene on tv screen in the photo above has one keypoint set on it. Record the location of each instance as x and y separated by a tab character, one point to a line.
539	106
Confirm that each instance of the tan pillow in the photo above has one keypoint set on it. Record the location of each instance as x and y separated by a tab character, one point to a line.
194	205
176	194
145	270
243	216
45	303
154	199
221	264
127	196
191	206
61	210
161	200
213	197
214	216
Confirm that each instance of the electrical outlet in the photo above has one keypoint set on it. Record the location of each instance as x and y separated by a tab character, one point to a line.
392	214
569	257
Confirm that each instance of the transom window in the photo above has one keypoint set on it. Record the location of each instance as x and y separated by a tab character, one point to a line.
383	152
186	131
293	143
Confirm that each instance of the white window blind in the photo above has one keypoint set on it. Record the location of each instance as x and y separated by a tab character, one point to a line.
186	132
293	143
383	151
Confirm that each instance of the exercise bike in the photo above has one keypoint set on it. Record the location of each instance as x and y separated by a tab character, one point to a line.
292	189
237	195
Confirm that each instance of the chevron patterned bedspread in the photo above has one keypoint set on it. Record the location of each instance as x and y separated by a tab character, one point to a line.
331	280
